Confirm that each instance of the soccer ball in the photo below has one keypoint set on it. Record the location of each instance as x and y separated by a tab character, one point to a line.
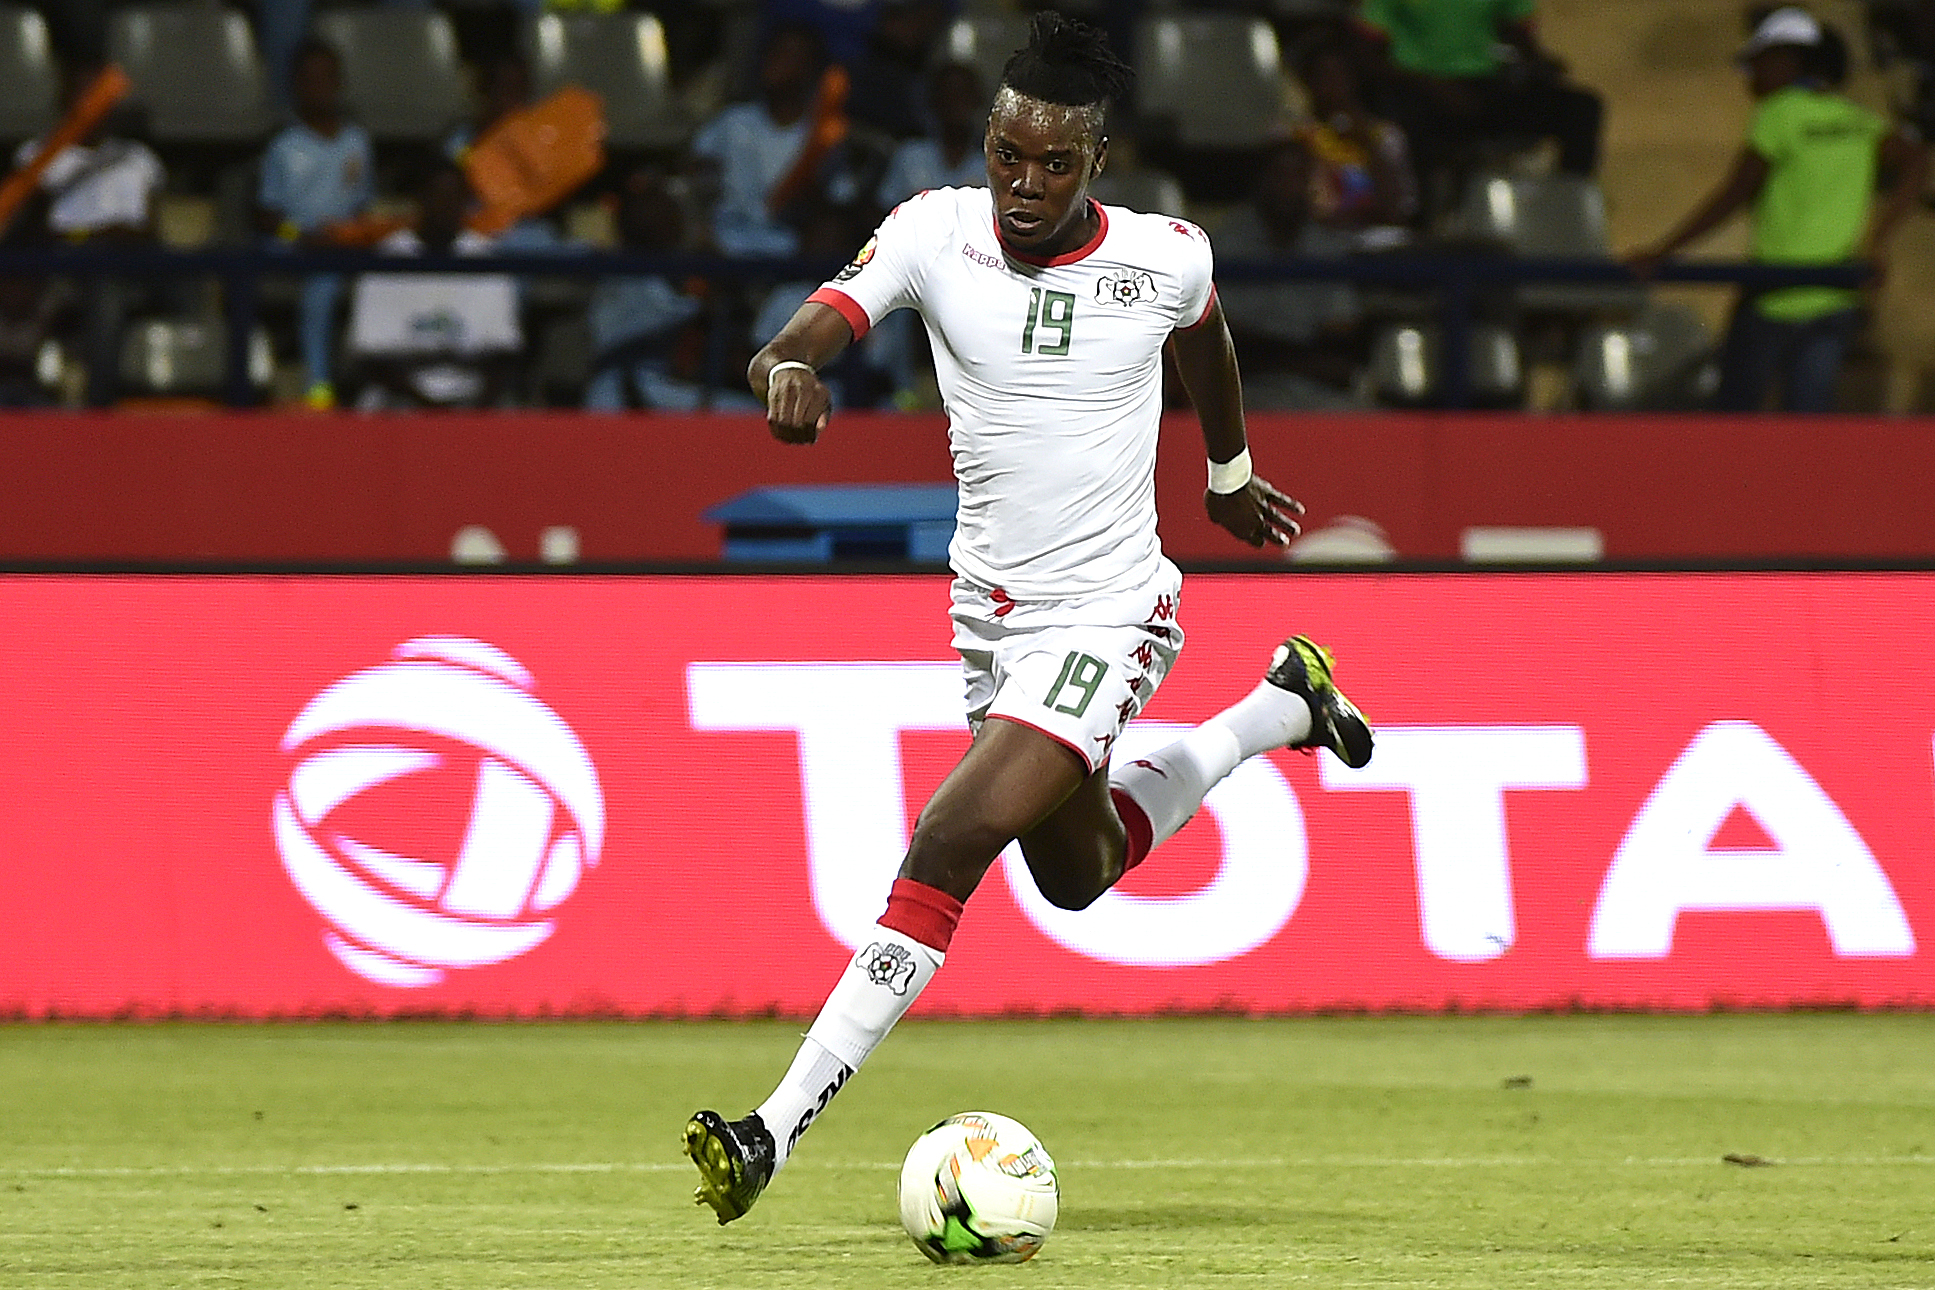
978	1188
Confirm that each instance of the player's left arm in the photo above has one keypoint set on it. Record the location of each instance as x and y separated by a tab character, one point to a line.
1241	502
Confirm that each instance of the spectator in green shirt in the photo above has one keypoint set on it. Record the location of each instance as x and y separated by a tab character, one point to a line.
1458	70
1808	172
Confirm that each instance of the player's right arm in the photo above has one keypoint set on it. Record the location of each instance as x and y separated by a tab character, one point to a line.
798	404
885	275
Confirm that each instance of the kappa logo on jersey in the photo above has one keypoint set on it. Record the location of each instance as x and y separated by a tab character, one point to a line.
1125	287
535	811
859	261
888	965
1188	230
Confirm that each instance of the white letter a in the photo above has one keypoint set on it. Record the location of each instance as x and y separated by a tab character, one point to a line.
1666	863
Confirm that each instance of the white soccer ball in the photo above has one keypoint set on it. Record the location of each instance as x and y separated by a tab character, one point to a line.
978	1188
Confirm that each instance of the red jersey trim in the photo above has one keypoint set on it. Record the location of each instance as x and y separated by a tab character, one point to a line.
1081	252
1209	305
1086	760
847	307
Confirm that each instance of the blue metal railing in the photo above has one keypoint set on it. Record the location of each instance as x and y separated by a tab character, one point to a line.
1458	278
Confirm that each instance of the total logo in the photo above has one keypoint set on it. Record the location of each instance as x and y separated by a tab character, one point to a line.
535	819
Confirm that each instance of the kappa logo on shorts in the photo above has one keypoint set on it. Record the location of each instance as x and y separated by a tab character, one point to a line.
888	965
1125	287
1164	611
1145	655
860	261
1003	603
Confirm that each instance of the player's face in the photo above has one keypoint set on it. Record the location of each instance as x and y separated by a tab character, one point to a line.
1041	157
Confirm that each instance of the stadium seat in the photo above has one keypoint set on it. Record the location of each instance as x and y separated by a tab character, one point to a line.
1210	81
1155	191
401	74
985	42
187	356
1407	366
1660	361
196	72
29	83
621	58
1559	216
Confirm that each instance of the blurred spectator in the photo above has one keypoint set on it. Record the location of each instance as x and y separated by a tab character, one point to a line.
280	27
1808	172
888	82
1458	70
504	86
638	323
31	310
317	173
953	156
1362	163
1300	342
436	340
842	27
100	190
770	154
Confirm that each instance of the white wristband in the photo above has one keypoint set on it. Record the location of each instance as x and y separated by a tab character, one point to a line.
777	368
1232	475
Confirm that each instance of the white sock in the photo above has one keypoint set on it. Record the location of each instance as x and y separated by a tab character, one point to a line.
879	985
1170	785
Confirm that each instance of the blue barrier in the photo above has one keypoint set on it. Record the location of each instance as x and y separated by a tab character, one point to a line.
1457	277
818	523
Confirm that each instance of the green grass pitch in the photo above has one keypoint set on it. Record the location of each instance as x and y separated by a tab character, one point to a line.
1570	1152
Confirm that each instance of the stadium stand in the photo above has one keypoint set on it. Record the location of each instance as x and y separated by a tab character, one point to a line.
1178	56
29	80
1407	366
186	357
401	74
197	75
620	57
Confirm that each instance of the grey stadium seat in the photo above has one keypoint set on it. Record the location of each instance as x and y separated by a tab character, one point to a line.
1548	215
1214	80
29	81
620	57
187	356
1407	365
401	74
196	72
1154	191
1660	361
985	42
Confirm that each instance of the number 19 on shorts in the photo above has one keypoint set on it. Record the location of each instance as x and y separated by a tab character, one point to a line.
1081	675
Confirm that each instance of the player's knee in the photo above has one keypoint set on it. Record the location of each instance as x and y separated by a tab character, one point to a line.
1072	895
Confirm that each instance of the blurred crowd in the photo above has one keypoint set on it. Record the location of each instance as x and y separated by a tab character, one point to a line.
784	129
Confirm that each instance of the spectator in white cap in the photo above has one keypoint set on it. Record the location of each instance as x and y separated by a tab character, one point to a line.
1808	172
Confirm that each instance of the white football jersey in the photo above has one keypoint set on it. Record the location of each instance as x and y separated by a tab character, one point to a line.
1051	377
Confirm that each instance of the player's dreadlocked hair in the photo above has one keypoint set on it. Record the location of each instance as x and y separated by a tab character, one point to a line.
1066	62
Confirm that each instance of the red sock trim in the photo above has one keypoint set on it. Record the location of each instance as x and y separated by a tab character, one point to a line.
922	913
1142	834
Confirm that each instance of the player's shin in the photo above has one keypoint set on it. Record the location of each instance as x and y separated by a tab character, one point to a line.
902	953
1156	795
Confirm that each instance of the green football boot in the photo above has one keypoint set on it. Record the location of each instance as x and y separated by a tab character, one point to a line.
1302	667
735	1160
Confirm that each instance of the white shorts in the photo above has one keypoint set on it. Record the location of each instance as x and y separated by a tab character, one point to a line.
1075	670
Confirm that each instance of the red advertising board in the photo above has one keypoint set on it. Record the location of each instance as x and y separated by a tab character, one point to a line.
290	488
686	796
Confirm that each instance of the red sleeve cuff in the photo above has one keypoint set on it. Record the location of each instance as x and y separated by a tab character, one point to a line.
1204	316
847	307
